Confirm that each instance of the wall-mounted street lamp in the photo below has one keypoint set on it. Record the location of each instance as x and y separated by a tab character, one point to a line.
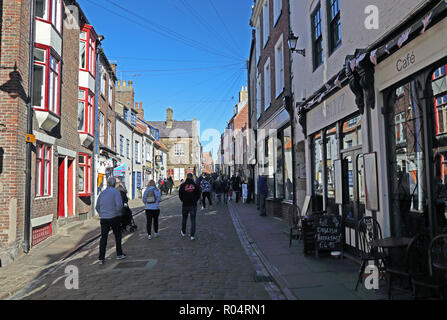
293	40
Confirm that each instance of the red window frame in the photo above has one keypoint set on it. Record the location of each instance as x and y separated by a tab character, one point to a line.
49	17
89	104
44	167
86	165
90	50
49	55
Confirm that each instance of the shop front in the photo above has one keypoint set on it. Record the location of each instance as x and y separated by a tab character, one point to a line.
275	154
377	144
334	132
412	84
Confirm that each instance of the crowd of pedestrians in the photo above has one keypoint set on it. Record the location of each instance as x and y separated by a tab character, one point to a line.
112	203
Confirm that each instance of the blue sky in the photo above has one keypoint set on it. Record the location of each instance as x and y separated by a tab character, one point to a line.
187	54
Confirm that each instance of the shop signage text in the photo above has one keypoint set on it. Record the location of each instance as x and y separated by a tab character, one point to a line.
405	62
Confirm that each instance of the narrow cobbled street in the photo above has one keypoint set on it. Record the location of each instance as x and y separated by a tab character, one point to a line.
214	266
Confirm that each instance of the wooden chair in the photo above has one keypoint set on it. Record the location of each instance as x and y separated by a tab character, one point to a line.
412	264
434	278
295	224
368	230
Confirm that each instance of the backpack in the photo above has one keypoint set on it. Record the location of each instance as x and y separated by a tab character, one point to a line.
150	198
206	186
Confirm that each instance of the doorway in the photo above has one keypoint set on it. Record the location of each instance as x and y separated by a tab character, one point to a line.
354	193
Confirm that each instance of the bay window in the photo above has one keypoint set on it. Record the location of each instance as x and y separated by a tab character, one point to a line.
86	101
50	11
87	50
46	80
85	174
43	169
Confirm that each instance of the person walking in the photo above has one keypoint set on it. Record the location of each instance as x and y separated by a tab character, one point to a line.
151	199
109	205
170	184
226	188
189	194
205	186
237	187
244	191
218	187
263	191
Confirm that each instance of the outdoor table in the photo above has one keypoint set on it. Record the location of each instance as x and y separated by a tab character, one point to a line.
391	242
440	264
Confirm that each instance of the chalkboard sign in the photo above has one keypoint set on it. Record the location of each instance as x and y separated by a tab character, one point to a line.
327	233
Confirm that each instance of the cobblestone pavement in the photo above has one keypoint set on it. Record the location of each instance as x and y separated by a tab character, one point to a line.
170	267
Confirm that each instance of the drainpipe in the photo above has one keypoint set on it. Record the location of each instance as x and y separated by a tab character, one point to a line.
95	147
29	128
289	103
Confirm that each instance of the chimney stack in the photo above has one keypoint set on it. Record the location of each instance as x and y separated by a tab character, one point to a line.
124	83
169	117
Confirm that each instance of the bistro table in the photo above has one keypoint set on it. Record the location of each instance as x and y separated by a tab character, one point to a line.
391	242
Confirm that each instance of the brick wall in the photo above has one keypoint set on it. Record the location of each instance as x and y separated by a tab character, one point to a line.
14	33
280	28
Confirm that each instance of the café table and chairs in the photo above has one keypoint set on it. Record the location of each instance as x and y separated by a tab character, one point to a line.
434	278
369	231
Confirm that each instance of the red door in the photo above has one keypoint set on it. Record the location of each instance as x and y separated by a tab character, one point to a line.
61	190
70	187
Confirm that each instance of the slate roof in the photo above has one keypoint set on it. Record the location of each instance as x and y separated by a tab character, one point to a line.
182	129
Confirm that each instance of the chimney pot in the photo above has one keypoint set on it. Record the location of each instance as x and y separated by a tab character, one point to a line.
124	83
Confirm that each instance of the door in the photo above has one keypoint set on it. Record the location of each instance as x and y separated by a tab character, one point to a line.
70	187
61	189
133	185
354	193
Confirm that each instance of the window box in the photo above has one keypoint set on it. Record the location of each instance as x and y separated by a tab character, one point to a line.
85	175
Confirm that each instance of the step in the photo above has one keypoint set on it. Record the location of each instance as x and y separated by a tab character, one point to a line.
69	228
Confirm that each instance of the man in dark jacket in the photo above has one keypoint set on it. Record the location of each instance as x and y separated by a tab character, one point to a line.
189	194
109	205
237	187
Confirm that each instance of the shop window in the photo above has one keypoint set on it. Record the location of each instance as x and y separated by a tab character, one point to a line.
439	86
334	24
317	174
331	156
44	157
85	174
279	173
406	160
317	37
86	102
352	133
270	162
288	168
46	85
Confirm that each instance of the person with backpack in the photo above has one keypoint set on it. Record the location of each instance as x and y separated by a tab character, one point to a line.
205	185
151	199
189	194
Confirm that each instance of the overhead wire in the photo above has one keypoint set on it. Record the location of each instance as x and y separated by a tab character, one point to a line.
206	25
164	31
